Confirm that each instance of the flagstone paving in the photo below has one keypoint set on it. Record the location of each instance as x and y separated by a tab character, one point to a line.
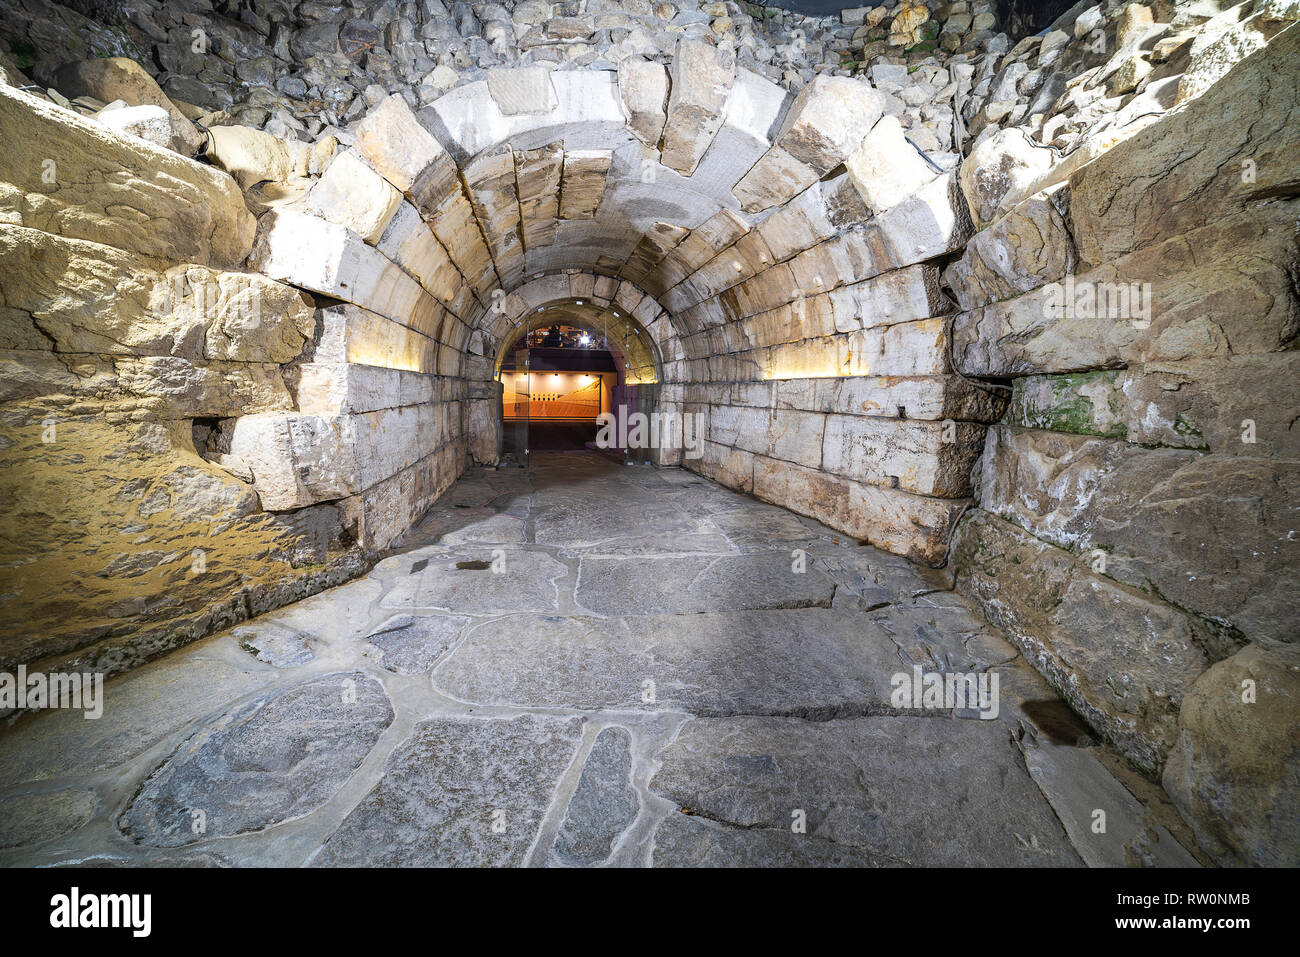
583	664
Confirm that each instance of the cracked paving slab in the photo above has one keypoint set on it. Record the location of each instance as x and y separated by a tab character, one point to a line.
695	585
814	662
909	790
275	758
469	792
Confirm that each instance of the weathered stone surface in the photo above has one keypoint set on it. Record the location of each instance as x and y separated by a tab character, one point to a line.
525	89
353	195
1122	659
924	457
1024	249
701	78
643	89
892	519
885	168
325	257
1154	186
758	662
89	298
618	586
1000	169
828	120
931	222
149	123
278	647
37	818
526	583
1170	521
1216	292
684	840
775	178
406	154
411	645
115	190
582	183
490	782
274	759
1076	784
1234	771
603	804
250	156
857	788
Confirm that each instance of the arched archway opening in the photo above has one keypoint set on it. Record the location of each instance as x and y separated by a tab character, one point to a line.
565	371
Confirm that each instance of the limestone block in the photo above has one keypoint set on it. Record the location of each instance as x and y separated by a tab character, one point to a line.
306	251
998	169
587	100
457	229
299	459
929	458
333	389
149	123
884	168
353	195
525	89
799	224
249	155
828	120
583	182
1218	291
1028	247
914	526
775	178
1233	772
701	78
537	179
789	435
73	177
1122	659
926	398
754	106
931	222
644	94
1210	533
410	243
88	298
899	296
406	154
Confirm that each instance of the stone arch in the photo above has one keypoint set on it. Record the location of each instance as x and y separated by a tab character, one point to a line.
659	363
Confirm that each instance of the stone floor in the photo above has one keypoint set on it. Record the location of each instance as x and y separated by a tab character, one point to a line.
576	664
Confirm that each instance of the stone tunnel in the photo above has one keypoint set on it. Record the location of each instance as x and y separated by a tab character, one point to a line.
985	346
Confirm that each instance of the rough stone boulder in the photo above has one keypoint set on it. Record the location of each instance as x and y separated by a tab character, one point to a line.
1234	771
119	78
66	174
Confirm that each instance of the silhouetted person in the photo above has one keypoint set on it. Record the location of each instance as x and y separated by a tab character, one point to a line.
553	340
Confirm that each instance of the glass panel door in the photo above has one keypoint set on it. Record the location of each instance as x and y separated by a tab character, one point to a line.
515	406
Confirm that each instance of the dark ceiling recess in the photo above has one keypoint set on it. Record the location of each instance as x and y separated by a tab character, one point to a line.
1022	18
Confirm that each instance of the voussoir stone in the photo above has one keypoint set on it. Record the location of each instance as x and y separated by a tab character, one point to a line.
701	78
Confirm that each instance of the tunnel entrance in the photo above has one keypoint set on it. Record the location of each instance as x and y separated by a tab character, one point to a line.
568	370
